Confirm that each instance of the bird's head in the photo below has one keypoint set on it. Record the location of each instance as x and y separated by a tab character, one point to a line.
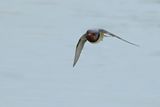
92	35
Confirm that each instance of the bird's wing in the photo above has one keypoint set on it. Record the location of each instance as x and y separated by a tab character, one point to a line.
113	35
79	48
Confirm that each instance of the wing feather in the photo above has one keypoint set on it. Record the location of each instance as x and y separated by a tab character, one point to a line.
79	48
113	35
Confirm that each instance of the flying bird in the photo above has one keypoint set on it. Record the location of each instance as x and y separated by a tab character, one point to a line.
94	36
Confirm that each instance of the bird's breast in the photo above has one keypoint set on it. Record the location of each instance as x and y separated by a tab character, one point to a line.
95	39
92	38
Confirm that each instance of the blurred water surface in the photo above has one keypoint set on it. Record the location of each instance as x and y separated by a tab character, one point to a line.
37	43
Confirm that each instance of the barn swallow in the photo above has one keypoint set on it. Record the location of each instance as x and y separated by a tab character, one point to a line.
94	36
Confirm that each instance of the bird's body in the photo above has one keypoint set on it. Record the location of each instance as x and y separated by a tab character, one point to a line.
93	36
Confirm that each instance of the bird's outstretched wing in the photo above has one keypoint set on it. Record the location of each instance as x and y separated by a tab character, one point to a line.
113	35
79	48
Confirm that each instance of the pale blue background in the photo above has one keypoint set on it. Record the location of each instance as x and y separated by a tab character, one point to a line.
37	45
